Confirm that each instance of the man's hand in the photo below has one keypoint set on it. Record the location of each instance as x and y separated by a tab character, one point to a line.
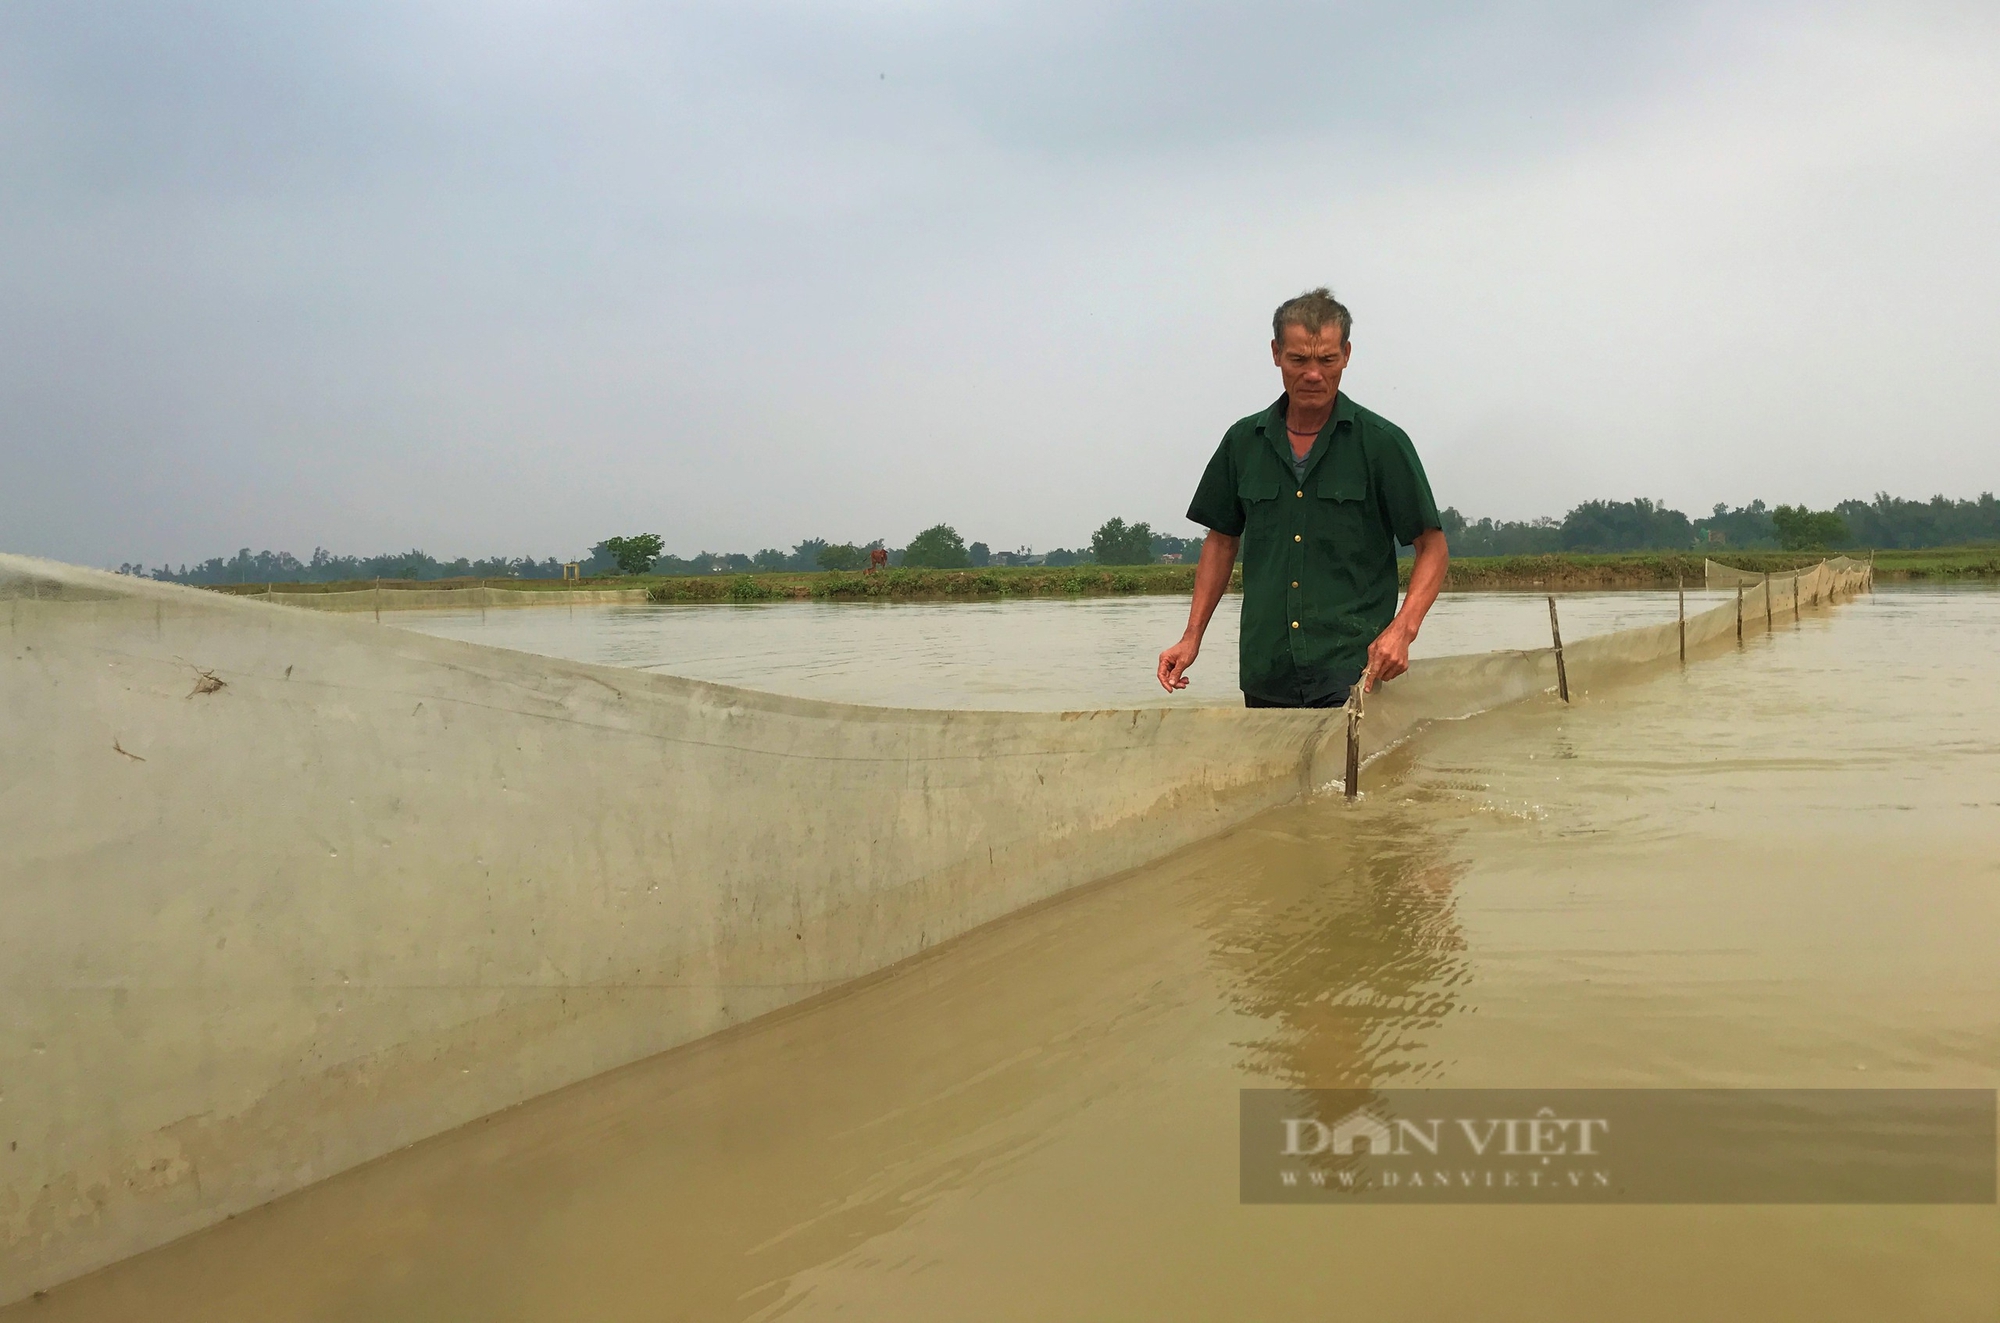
1389	654
1174	663
1211	580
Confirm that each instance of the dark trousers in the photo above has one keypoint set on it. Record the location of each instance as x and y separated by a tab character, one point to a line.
1334	699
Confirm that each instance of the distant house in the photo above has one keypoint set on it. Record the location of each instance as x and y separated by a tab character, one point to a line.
1170	558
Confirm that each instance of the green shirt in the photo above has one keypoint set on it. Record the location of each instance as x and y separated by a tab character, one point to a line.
1319	552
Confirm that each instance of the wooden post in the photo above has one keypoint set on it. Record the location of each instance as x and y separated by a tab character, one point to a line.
1739	615
1767	601
1353	751
1562	672
1795	597
1680	591
378	599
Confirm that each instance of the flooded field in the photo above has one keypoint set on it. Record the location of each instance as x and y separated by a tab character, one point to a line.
1777	867
1029	654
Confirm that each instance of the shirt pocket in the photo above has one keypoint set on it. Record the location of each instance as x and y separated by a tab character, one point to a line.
1259	494
1257	487
1343	478
1342	488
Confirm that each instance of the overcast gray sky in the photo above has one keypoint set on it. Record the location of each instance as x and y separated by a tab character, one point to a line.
508	277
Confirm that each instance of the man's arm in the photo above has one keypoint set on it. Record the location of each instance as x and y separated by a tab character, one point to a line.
1389	654
1211	580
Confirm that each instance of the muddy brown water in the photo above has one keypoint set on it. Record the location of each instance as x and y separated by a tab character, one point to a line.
1033	654
1777	867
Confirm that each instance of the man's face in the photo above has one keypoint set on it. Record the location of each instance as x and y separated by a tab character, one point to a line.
1311	363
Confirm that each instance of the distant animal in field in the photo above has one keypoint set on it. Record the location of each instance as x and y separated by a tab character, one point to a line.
877	559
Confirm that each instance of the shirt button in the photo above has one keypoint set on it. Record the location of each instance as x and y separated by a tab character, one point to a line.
1295	624
1301	494
1298	537
1295	583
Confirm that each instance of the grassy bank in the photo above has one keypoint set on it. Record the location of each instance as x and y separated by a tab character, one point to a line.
1565	573
1662	569
1023	581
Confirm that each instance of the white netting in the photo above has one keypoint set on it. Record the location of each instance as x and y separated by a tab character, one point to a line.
374	884
1717	575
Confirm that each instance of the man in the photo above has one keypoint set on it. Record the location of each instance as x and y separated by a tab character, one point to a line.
1317	491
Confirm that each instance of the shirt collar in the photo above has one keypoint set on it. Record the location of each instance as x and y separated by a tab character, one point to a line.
1273	425
1274	417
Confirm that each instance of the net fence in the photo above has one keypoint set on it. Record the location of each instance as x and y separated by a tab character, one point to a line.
1448	688
501	873
1716	575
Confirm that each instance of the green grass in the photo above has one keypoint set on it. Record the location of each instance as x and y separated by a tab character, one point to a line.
1975	562
907	584
1662	569
1566	571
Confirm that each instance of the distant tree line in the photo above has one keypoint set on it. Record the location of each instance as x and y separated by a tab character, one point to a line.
1643	525
1594	526
325	567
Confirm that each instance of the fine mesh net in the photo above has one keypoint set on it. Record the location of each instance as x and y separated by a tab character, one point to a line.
1444	688
1717	575
451	878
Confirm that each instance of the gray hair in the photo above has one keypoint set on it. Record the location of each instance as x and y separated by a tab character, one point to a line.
1312	310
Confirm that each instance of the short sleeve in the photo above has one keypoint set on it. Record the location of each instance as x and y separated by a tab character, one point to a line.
1402	489
1216	505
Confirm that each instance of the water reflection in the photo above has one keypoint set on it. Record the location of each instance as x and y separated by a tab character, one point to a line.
1345	939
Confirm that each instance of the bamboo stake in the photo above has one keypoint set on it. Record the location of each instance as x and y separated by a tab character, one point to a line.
378	599
1767	601
1355	697
1562	673
1680	591
1739	615
1353	753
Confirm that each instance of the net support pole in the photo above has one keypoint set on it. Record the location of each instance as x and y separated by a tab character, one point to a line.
1795	597
1680	592
378	599
1739	615
1767	601
1352	783
1562	672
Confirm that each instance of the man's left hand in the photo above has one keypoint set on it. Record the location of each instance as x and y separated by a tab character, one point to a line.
1388	655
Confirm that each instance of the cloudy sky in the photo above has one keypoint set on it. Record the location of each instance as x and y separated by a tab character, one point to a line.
508	277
